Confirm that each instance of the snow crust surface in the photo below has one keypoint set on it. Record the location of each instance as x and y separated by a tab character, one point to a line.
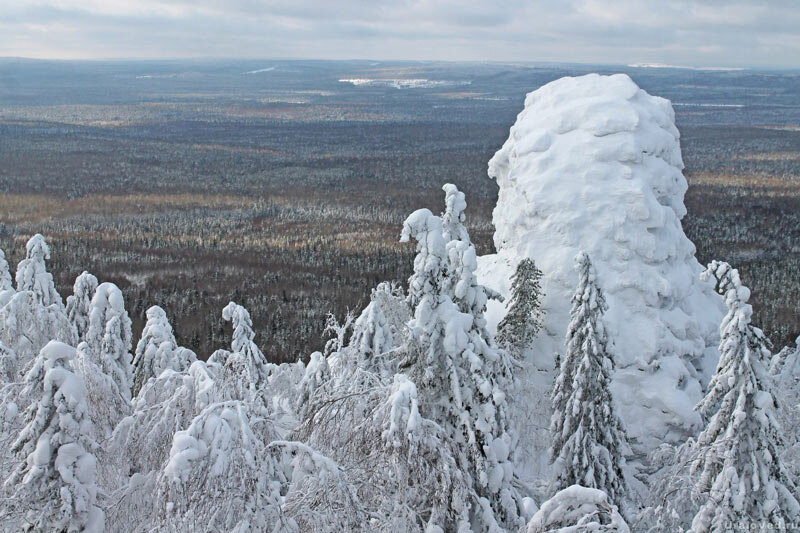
593	163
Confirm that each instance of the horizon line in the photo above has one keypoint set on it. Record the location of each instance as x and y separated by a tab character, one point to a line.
640	64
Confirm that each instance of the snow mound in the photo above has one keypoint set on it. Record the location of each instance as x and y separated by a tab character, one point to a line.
593	163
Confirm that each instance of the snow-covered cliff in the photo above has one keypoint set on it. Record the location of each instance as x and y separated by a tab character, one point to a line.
593	163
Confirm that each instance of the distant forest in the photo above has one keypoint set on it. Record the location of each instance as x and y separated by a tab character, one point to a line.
193	184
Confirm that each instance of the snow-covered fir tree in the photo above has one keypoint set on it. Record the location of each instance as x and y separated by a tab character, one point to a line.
453	218
158	350
460	374
738	460
109	335
6	285
32	274
34	314
588	438
9	366
104	359
524	317
255	365
54	487
373	332
316	374
79	303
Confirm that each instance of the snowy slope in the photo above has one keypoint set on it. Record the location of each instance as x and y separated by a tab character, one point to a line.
594	163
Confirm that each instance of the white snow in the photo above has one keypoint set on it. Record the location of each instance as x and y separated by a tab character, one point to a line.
403	83
593	163
259	71
575	509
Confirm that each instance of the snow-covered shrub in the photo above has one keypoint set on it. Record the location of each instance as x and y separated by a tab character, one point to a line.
9	366
54	486
401	465
785	369
738	465
26	326
578	508
80	302
588	439
165	404
320	497
672	500
220	476
158	350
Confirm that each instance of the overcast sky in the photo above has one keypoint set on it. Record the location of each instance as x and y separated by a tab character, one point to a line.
737	33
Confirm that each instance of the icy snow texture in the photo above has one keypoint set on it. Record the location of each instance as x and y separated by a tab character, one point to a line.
593	163
577	508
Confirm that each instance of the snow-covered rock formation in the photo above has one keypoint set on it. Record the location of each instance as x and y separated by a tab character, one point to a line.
593	163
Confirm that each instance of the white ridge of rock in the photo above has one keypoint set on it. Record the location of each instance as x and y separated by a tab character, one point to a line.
593	163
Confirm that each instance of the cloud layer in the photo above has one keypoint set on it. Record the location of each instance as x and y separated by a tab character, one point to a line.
736	33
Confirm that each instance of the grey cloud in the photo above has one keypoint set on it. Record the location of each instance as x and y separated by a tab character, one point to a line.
704	32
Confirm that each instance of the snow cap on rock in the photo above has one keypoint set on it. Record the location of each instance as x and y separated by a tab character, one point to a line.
594	163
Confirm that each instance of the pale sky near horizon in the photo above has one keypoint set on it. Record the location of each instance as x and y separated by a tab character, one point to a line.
701	33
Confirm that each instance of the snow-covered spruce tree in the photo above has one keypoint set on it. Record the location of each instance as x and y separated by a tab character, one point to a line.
373	331
337	332
738	452
158	350
79	303
220	476
109	335
255	363
34	315
8	365
784	364
588	438
459	372
524	317
32	274
6	285
453	218
104	359
316	374
54	487
27	326
578	508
